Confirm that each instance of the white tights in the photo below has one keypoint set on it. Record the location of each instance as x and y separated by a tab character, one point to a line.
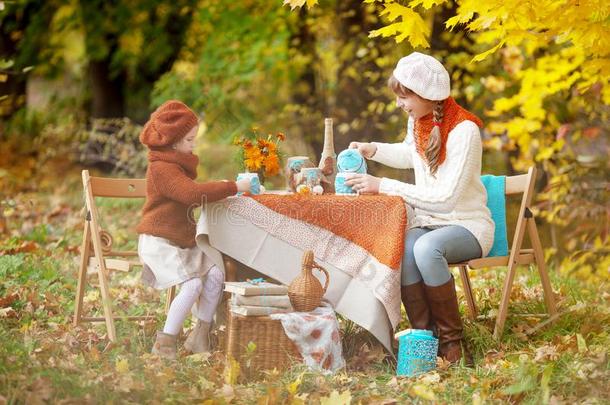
207	292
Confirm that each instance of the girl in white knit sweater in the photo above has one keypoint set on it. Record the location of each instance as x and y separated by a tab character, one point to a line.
450	221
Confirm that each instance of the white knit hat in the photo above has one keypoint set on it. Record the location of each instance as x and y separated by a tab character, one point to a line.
423	75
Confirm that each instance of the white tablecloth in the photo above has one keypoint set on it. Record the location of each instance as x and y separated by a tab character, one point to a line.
220	229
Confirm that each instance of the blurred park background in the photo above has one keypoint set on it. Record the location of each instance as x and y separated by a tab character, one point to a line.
78	78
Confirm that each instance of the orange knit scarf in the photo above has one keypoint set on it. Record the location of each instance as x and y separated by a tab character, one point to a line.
453	115
187	161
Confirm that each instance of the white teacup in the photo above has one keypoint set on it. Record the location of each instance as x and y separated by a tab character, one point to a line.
312	176
255	184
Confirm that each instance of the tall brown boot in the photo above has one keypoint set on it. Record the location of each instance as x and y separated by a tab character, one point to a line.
413	297
444	310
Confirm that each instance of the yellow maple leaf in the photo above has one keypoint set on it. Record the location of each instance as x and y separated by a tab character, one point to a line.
300	3
345	398
427	4
411	27
422	391
121	366
293	387
483	55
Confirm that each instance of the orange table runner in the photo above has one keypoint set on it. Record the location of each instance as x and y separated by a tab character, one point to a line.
377	223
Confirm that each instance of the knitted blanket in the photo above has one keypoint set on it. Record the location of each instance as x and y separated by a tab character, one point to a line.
375	223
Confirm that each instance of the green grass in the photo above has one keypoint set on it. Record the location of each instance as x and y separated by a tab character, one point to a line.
43	357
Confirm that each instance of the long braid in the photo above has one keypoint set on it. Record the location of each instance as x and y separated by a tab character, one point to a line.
434	142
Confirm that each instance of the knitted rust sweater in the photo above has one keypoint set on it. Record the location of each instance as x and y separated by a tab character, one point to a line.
172	194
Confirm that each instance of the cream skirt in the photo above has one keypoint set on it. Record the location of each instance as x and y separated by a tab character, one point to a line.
166	264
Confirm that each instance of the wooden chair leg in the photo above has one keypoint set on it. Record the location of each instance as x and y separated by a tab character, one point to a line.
503	309
171	294
82	274
544	276
472	306
107	304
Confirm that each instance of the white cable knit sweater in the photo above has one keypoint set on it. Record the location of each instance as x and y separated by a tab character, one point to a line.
456	196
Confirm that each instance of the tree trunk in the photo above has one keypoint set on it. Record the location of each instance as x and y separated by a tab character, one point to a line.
107	98
18	22
15	85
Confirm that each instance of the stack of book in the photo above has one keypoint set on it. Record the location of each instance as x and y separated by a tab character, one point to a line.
258	298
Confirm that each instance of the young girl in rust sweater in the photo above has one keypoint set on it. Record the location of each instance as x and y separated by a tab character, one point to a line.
166	245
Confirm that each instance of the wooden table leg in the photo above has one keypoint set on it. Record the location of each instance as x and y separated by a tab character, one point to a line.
230	268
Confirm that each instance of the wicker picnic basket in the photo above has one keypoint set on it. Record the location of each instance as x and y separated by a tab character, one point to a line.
273	348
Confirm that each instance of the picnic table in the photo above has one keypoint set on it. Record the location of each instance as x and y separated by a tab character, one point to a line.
359	240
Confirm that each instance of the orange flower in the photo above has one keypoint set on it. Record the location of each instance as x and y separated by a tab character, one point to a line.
253	159
272	165
266	146
259	151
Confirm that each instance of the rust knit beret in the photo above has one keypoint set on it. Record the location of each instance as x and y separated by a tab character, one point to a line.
168	124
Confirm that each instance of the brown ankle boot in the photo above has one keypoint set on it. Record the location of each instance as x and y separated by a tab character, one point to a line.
165	346
198	341
413	298
444	310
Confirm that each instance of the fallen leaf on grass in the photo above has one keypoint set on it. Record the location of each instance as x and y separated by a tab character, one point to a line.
493	356
381	401
199	357
39	392
365	357
26	246
121	366
345	398
430	378
393	383
8	313
61	210
226	391
546	352
442	364
422	391
293	387
8	300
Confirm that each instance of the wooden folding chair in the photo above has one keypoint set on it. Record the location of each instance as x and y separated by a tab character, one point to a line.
101	258
517	255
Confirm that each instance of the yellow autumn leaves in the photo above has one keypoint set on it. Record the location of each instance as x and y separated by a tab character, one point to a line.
260	153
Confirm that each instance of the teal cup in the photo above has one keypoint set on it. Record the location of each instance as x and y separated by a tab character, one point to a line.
340	186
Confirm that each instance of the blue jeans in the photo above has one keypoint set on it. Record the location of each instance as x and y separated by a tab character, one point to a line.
428	250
